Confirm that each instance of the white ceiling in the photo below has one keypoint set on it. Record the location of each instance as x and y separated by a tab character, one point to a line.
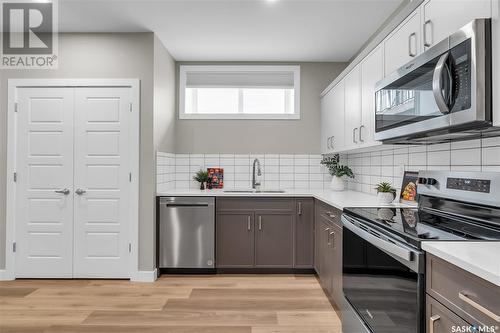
238	30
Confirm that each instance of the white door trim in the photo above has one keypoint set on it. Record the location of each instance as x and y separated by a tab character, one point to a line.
13	84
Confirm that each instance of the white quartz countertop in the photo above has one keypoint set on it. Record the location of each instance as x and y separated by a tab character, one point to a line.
479	258
336	199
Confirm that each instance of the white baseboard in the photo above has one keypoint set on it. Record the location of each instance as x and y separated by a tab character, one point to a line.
145	276
6	276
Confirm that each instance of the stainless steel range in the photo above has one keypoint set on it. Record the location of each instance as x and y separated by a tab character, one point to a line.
383	263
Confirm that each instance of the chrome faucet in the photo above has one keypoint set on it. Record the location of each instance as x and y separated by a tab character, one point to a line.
255	183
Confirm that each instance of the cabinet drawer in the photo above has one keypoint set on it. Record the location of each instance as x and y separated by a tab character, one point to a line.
472	298
238	203
441	320
330	213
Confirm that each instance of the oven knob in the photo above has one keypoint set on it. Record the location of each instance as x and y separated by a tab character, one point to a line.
422	180
431	181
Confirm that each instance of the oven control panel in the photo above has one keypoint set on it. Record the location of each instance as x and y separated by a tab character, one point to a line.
467	184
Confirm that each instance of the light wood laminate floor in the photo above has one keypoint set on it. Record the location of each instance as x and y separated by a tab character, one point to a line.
173	304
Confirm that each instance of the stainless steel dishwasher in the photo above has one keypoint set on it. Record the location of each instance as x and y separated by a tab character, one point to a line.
187	232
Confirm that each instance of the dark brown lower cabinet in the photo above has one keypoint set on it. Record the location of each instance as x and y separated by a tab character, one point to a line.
273	239
440	319
304	233
328	251
261	233
458	298
235	239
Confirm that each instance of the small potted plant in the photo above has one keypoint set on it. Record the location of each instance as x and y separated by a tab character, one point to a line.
386	193
202	177
339	172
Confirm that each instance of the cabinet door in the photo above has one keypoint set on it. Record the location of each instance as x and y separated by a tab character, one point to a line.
441	320
324	255
304	233
235	239
403	44
274	239
372	71
326	121
441	18
338	118
352	108
336	269
318	242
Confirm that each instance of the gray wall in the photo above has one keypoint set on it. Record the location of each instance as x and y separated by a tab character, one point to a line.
263	136
164	131
101	56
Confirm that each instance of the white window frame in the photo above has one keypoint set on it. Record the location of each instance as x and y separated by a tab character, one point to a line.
184	69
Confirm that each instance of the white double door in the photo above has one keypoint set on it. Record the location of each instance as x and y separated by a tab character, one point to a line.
72	192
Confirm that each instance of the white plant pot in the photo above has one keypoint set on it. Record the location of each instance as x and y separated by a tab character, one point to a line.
385	198
338	183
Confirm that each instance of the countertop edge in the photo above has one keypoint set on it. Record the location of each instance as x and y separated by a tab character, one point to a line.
464	264
366	200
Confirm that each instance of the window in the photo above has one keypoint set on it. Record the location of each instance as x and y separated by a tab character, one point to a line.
239	92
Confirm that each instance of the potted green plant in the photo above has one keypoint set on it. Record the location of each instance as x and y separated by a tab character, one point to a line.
386	193
339	172
202	177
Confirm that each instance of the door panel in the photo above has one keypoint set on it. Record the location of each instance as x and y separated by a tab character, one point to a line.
372	71
235	239
44	218
274	239
352	107
102	171
441	18
304	233
403	44
336	124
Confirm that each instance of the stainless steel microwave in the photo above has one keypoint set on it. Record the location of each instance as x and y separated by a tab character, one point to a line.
443	94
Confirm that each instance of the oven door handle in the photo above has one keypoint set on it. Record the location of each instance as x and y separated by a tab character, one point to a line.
394	249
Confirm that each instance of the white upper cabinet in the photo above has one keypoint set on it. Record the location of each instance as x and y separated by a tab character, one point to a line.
332	120
441	18
352	107
372	71
403	44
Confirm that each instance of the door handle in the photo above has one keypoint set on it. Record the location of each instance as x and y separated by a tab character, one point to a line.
432	320
299	212
249	226
354	135
331	142
63	191
479	307
360	133
329	236
410	52
328	143
79	191
441	102
260	222
426	42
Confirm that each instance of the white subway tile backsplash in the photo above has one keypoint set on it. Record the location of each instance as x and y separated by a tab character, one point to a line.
372	166
389	163
466	157
491	156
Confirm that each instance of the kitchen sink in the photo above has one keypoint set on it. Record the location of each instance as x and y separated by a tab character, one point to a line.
254	191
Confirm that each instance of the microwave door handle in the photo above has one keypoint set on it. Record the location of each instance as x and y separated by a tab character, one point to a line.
437	82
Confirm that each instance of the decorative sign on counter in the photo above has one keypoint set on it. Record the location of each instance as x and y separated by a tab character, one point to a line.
409	187
216	176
